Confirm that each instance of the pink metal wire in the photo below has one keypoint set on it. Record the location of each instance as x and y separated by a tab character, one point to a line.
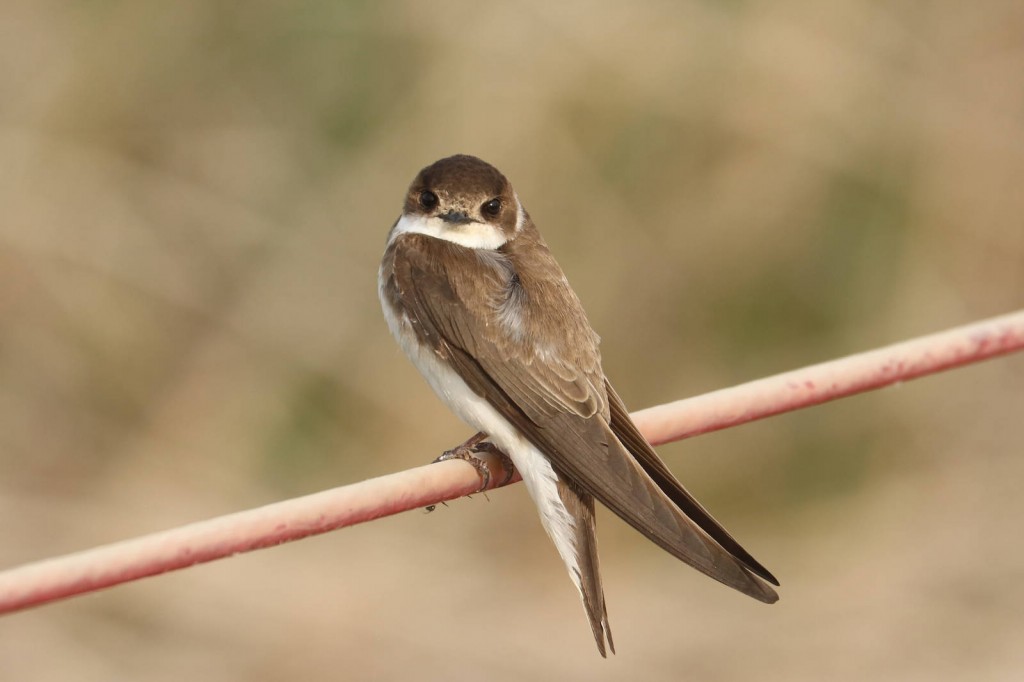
58	578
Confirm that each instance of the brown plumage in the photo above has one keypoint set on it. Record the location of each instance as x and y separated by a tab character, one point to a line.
507	323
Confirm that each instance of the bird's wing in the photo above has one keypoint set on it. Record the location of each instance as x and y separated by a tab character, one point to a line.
549	392
628	434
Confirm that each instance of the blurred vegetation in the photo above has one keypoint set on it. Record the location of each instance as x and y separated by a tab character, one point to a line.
196	196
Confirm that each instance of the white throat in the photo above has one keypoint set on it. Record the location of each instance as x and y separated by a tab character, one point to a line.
473	235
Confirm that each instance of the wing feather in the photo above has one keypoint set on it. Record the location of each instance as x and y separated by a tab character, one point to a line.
556	395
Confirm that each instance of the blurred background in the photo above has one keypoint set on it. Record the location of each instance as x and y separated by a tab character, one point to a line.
195	197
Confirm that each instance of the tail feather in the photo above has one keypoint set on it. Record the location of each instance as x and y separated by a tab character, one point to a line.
580	506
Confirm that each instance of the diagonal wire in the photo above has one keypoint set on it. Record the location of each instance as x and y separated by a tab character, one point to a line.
52	579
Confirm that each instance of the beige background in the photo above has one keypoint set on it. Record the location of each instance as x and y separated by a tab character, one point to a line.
195	197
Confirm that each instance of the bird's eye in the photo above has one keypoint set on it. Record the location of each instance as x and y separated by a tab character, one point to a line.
428	200
492	207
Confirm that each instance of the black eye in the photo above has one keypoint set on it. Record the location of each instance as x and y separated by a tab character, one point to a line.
492	207
428	200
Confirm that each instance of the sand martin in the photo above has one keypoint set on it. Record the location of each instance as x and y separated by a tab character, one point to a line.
478	303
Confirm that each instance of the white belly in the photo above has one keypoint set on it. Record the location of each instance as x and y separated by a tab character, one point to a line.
533	466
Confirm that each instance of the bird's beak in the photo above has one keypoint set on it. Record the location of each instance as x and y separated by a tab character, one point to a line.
455	217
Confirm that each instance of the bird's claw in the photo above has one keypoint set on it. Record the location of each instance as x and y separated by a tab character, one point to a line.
467	452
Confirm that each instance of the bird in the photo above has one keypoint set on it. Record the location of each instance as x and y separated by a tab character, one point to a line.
478	303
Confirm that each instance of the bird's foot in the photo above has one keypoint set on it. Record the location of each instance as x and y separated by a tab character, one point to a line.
470	452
